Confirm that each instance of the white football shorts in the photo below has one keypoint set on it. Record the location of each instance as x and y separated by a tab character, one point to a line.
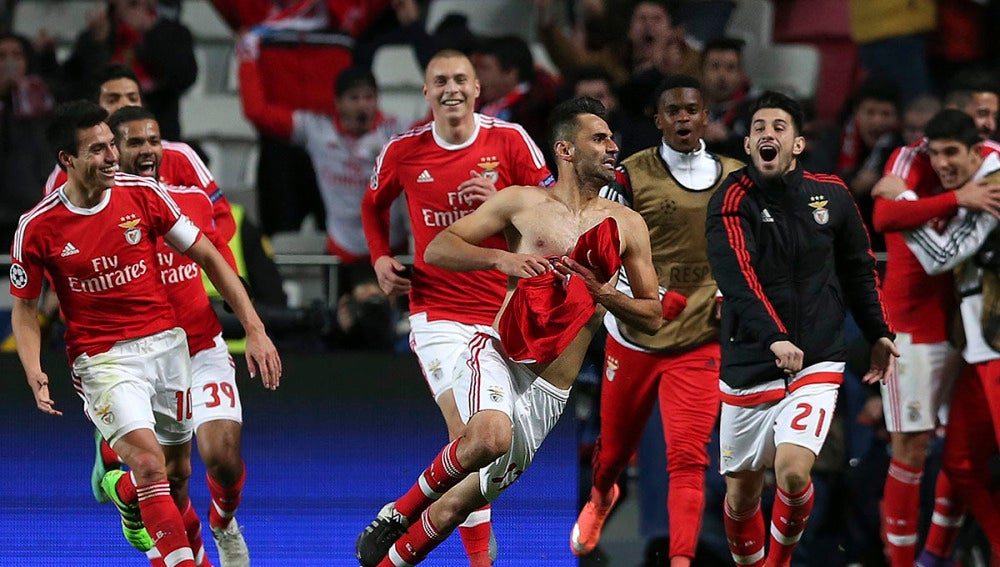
749	436
139	383
486	379
917	396
438	344
213	386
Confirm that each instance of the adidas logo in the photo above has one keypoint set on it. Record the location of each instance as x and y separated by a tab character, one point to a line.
425	177
766	216
69	250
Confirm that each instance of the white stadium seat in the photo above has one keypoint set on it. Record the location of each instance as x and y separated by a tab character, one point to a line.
397	66
204	22
488	17
61	19
790	68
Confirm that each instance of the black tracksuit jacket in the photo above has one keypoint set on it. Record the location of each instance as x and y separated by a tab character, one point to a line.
790	255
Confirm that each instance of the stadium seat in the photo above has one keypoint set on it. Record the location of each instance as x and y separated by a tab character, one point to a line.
61	19
409	105
787	67
204	22
488	17
207	117
753	22
542	59
233	163
397	66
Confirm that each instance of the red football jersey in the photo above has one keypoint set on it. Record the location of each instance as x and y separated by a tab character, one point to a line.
182	276
102	261
918	303
430	170
182	167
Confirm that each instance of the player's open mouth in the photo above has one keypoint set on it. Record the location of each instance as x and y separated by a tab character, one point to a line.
768	153
451	102
109	171
146	168
684	132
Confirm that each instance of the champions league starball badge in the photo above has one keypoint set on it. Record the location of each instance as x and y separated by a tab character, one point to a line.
18	277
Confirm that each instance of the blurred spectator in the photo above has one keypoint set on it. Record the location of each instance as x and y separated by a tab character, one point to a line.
891	36
303	46
727	96
916	115
632	132
658	49
868	136
365	318
650	42
703	20
25	103
960	40
159	50
977	93
512	88
343	143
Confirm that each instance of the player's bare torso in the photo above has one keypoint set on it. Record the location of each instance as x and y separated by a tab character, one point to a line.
546	226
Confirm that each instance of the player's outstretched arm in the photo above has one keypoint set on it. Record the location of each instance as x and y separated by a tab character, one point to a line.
457	247
261	354
28	335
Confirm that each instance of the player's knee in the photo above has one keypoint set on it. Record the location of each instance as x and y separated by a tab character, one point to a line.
911	448
691	460
793	480
687	478
178	473
959	470
226	467
486	439
148	467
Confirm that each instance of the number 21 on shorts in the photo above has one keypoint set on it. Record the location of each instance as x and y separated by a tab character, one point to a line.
806	419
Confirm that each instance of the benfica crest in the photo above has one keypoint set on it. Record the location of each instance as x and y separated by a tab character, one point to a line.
489	166
132	234
820	213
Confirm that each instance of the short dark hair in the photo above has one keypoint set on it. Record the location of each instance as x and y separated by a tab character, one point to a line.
512	52
562	121
577	75
353	77
723	44
69	118
953	124
781	101
676	82
664	4
876	88
968	82
112	72
128	114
